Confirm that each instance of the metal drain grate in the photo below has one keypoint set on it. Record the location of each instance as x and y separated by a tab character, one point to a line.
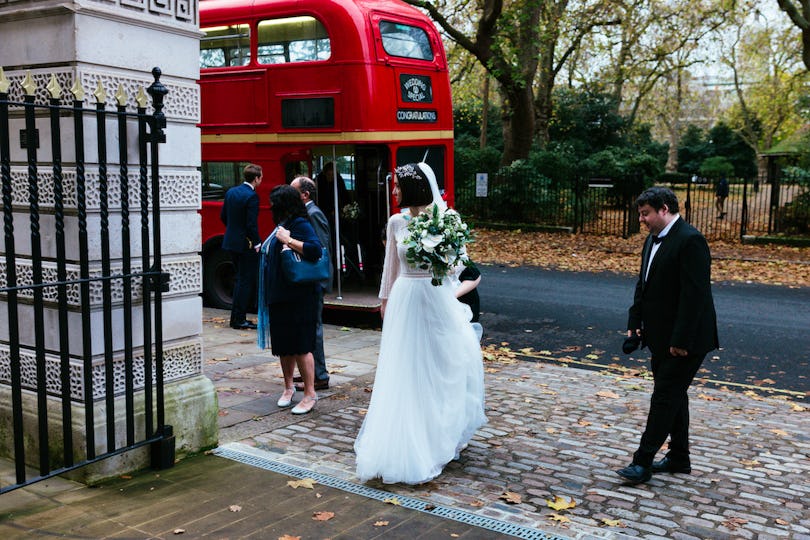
250	456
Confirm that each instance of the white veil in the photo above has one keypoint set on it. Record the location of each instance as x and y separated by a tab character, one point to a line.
434	186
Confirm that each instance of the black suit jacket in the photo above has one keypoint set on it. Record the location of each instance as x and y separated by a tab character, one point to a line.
674	306
240	214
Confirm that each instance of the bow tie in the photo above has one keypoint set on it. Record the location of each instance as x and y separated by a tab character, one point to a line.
657	239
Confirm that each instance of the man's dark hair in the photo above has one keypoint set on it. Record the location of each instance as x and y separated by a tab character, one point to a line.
286	203
657	197
414	186
251	173
307	185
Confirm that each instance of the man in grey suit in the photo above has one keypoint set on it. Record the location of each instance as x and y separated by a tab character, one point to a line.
673	314
308	189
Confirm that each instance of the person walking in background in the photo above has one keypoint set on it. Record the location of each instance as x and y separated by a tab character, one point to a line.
428	397
309	191
720	196
240	214
673	315
288	313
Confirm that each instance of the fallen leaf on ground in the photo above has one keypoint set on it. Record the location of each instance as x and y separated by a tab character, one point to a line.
392	500
235	508
559	518
380	523
477	504
561	503
178	531
607	394
289	537
781	522
709	398
734	523
308	483
780	432
750	462
613	522
511	497
323	516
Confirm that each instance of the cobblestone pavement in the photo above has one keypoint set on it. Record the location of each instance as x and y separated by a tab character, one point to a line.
553	431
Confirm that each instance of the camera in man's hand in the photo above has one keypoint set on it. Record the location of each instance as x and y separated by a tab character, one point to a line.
631	343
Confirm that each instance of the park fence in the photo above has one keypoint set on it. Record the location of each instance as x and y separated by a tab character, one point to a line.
606	206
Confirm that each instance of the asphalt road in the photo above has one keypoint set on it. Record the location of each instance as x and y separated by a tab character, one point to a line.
763	329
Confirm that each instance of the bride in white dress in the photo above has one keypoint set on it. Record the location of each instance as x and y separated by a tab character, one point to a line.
428	397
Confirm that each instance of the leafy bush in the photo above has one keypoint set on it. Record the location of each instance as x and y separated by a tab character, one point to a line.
716	167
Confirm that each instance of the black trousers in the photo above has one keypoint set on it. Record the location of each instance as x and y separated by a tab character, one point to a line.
244	286
669	409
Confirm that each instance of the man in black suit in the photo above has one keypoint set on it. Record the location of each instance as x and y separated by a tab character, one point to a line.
240	214
673	314
306	186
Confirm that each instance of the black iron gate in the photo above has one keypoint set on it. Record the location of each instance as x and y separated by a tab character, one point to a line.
54	297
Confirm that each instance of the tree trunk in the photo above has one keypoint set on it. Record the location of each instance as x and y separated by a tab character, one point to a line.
485	113
518	124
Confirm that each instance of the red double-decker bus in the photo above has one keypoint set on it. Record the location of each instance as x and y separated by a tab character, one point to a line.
297	85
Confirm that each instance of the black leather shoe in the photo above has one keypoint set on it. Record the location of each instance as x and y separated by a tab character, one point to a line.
247	325
635	474
666	465
319	385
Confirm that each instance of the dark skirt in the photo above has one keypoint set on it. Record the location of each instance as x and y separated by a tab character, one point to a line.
293	326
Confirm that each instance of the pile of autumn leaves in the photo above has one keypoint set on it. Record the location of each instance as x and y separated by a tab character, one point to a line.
767	264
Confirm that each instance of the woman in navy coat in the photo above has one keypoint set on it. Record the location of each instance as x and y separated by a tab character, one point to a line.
289	312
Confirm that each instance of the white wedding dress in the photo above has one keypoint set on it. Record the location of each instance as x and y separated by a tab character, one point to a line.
428	397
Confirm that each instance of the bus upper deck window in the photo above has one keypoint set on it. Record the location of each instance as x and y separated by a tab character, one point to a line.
292	39
406	41
225	46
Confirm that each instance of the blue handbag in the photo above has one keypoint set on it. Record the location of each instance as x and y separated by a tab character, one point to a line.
301	271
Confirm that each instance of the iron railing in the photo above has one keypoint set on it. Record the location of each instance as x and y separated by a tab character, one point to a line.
58	300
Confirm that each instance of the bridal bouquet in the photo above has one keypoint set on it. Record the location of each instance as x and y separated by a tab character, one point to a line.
436	241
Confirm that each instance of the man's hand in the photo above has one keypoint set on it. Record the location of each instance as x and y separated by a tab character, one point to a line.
675	351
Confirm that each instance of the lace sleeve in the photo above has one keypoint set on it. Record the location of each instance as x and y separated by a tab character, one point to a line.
391	264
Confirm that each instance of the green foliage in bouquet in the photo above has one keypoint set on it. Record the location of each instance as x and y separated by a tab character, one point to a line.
436	242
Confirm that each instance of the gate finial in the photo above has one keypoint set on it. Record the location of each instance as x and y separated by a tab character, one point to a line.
121	95
54	88
77	91
100	93
29	85
4	82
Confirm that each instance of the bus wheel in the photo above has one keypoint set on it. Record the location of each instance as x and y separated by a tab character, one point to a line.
218	278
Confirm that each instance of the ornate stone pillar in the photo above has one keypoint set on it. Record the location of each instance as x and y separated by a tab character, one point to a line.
111	46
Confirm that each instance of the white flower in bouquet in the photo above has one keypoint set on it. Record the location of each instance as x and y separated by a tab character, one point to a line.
436	242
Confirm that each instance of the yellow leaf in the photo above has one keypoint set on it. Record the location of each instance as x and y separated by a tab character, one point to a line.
709	398
797	408
584	423
592	356
392	500
289	537
323	516
526	350
750	462
613	522
308	483
781	522
607	394
477	504
559	518
235	508
551	430
561	503
511	497
380	523
178	531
